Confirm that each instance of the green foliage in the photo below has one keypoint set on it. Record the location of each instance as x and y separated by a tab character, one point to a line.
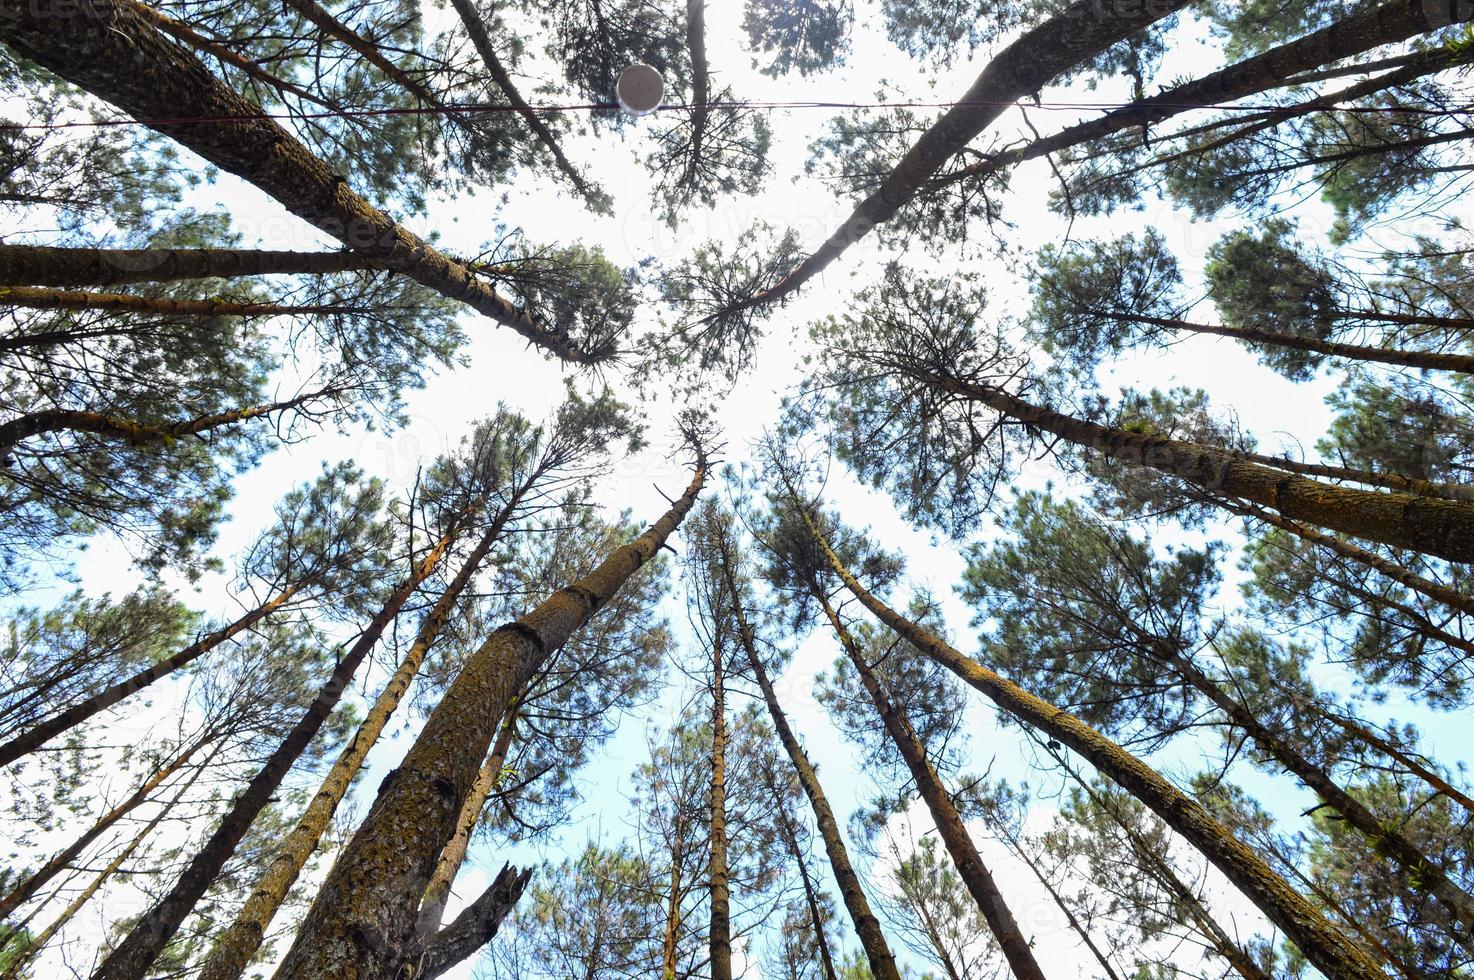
806	36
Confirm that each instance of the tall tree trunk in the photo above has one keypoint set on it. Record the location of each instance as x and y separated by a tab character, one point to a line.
40	298
1325	946
134	956
672	932
61	860
1384	839
1444	528
108	49
366	49
720	931
1430	360
481	38
1436	591
448	865
867	926
41	265
1078	927
1389	23
700	84
1075	34
36	945
37	736
811	897
975	874
235	947
374	889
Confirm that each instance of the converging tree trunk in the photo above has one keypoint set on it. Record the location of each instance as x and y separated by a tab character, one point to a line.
867	926
373	890
41	265
1322	943
137	952
111	51
235	947
975	874
720	935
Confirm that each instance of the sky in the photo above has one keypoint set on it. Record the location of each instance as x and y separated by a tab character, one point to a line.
501	368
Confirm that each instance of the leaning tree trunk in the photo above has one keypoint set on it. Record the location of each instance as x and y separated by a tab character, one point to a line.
235	947
137	952
63	859
1389	23
481	38
975	874
1384	839
1443	528
1157	865
1363	733
867	927
40	298
1077	33
374	889
1325	946
40	265
37	736
110	50
720	931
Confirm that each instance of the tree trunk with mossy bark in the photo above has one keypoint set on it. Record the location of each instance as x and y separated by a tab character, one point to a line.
362	923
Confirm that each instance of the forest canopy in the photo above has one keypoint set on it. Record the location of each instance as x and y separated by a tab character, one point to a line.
961	490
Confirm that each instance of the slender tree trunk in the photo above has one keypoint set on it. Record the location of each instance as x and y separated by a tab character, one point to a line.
475	927
867	926
40	265
1390	480
1389	23
37	736
1444	528
672	931
235	947
1077	33
811	897
1363	733
59	862
374	889
720	934
437	893
1159	867
131	431
1325	946
39	298
134	956
481	38
116	54
975	874
1384	839
85	895
1430	360
1076	925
